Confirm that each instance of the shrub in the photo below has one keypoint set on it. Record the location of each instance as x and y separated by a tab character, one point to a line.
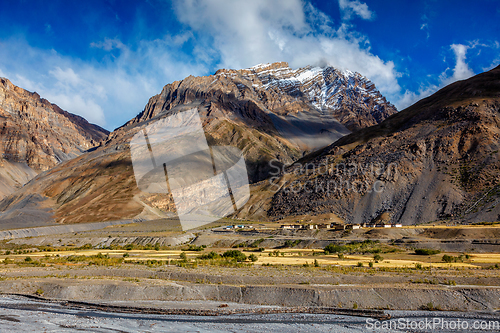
100	256
425	281
192	247
431	307
253	258
275	253
378	258
290	243
370	264
360	264
448	259
28	259
316	263
257	242
210	255
183	256
334	248
426	252
236	254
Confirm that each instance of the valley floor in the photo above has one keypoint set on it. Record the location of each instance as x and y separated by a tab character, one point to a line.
132	263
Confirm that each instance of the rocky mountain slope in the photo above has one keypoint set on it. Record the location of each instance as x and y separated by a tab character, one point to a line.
36	135
271	111
267	111
438	159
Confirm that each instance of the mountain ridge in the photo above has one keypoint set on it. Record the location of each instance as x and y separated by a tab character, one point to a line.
330	91
263	122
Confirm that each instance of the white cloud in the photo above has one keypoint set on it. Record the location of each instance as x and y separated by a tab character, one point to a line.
220	34
109	44
350	8
26	83
410	97
425	25
78	104
461	70
67	76
245	33
69	92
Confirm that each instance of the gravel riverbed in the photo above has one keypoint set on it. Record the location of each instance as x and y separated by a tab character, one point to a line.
22	314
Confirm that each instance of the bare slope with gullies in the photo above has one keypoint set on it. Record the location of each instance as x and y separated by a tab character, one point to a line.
35	135
339	299
268	111
438	159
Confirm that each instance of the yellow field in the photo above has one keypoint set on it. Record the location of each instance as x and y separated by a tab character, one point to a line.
350	260
291	257
487	258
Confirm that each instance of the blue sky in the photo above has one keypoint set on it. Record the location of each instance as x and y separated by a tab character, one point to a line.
104	59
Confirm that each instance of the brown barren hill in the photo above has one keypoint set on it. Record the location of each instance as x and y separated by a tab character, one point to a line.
437	159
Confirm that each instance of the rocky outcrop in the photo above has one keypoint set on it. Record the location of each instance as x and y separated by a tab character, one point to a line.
35	135
39	133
